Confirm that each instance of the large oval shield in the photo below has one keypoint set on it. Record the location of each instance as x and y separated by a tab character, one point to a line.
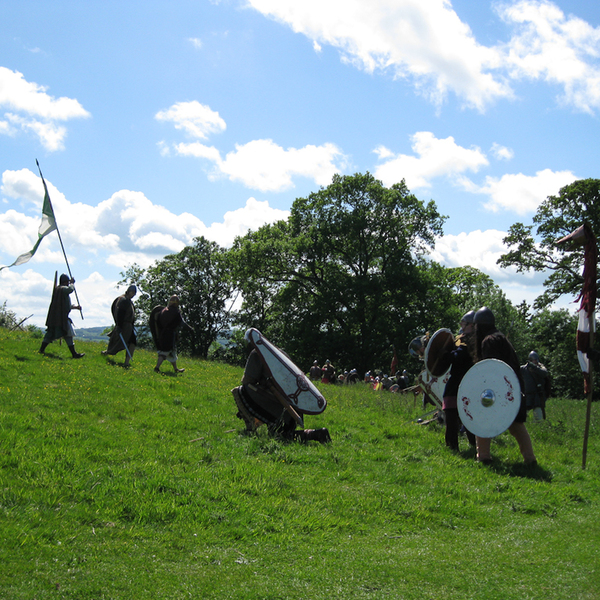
437	359
489	398
287	377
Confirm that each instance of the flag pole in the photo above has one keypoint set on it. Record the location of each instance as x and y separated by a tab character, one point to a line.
584	236
59	237
588	411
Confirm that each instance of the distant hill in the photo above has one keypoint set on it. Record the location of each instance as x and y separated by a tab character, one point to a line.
91	334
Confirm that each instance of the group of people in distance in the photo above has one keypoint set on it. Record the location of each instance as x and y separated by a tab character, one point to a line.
479	339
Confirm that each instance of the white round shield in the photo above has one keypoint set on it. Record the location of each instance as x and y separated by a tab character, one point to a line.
436	358
489	398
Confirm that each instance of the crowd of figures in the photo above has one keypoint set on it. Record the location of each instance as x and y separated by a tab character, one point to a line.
258	401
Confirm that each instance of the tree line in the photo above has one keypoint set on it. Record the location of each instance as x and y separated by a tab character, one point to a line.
348	277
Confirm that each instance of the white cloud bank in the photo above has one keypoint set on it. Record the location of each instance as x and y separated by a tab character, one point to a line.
425	42
101	242
259	164
433	158
30	109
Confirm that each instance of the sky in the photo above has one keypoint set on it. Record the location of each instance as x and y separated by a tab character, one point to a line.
156	122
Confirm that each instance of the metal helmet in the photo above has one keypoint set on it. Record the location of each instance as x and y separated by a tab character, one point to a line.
533	357
468	317
416	348
63	279
484	316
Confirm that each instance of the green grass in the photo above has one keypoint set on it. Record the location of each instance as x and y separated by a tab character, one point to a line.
124	484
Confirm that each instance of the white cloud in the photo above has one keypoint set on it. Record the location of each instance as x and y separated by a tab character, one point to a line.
433	158
259	164
481	250
502	152
560	50
426	43
196	42
238	222
423	40
127	228
197	120
522	194
30	108
263	165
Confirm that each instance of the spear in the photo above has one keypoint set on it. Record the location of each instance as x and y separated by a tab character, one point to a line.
59	237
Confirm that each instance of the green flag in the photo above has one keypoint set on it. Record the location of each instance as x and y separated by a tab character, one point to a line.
47	225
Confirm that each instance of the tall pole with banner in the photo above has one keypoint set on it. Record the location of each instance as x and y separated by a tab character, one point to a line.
586	327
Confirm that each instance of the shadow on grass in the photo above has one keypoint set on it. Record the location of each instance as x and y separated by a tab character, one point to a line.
52	355
520	469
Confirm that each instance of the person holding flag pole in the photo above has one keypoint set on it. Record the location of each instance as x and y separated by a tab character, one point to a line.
58	323
47	226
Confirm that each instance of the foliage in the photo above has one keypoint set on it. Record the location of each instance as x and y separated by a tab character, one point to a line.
552	334
555	218
8	318
200	276
125	484
340	276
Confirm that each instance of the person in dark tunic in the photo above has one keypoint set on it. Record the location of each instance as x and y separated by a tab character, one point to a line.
58	322
491	343
536	380
460	363
169	322
124	331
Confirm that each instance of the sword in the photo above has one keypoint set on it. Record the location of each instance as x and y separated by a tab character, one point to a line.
126	347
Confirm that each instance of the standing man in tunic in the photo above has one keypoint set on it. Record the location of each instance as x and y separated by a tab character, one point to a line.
58	323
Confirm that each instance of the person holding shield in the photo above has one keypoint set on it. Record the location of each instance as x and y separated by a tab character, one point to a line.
491	343
460	363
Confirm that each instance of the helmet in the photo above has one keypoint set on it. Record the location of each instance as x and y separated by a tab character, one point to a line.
416	348
468	317
533	357
63	279
484	316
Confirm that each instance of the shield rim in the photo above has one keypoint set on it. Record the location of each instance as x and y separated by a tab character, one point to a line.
445	365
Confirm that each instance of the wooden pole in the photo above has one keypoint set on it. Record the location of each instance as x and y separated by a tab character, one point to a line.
588	412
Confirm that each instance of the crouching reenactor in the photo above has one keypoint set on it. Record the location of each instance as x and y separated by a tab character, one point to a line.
260	400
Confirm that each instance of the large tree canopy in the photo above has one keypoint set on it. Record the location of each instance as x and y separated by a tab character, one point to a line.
201	276
342	277
555	218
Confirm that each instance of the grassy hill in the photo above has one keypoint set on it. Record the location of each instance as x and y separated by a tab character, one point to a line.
124	484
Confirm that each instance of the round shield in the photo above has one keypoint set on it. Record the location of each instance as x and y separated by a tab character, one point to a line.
437	357
489	398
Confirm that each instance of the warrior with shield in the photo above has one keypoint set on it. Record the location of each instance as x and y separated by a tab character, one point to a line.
492	344
275	392
460	362
165	322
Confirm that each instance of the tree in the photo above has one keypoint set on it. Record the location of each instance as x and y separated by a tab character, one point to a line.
201	276
339	278
555	218
552	335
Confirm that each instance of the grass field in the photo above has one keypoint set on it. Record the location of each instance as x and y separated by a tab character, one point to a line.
124	484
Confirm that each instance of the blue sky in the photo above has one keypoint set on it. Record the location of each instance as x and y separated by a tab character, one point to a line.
155	122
